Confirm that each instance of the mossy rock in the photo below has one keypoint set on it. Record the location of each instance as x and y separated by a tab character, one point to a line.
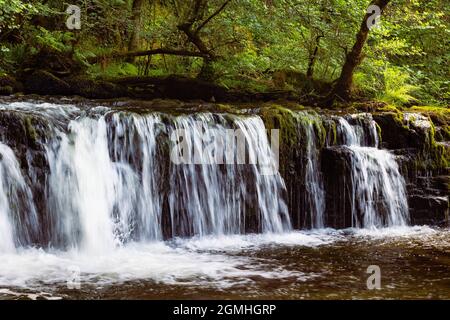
6	91
9	85
45	83
95	89
57	62
396	134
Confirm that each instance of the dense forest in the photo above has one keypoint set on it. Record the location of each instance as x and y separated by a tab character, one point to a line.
317	51
224	149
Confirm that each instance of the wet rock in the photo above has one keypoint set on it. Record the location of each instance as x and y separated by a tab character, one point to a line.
9	85
337	184
396	134
25	134
427	209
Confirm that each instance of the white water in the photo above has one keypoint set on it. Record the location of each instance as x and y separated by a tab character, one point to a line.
15	195
211	261
7	162
190	262
105	182
84	186
105	200
313	180
379	190
212	198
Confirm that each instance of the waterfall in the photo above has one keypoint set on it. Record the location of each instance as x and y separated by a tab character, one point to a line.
110	178
378	189
208	199
313	180
134	146
18	219
110	175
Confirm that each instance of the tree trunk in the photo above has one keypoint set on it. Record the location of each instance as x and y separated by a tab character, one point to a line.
135	39
312	59
129	55
193	34
354	57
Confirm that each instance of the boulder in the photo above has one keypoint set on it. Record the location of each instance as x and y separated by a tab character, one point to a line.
337	183
95	89
428	209
395	134
9	85
45	83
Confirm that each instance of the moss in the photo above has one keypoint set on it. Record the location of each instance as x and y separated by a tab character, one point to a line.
445	133
278	117
380	137
311	117
441	111
433	153
434	156
439	153
399	117
227	108
333	130
388	108
30	131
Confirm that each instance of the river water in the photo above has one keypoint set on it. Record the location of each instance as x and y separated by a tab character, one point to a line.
106	213
321	264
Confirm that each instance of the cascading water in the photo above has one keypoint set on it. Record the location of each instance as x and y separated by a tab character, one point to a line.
18	219
134	146
378	189
313	180
110	174
84	186
101	188
210	199
8	162
111	179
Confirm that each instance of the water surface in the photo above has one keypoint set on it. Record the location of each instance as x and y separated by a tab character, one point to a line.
321	264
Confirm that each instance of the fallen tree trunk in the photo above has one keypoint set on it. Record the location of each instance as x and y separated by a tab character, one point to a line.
175	52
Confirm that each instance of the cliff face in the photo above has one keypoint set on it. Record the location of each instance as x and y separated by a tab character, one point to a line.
339	170
421	142
418	140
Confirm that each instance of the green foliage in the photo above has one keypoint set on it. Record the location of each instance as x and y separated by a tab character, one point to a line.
54	40
12	12
113	70
406	59
397	89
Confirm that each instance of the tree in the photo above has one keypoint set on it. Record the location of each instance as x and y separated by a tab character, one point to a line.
343	85
192	26
135	38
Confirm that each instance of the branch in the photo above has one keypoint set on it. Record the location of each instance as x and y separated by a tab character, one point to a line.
174	52
218	11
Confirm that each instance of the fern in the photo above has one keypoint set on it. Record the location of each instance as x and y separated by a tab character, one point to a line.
397	89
